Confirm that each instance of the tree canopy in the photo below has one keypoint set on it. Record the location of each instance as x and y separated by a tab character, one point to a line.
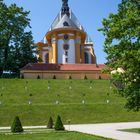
122	45
16	41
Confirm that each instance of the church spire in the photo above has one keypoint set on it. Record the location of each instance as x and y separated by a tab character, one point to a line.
65	8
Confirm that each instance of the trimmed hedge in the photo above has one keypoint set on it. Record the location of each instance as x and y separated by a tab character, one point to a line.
16	126
59	125
50	123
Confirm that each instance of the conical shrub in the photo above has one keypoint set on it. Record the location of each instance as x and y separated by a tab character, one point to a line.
50	123
54	77
59	125
85	77
38	77
16	126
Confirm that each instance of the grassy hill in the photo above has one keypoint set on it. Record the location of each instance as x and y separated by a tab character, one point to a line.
51	136
44	95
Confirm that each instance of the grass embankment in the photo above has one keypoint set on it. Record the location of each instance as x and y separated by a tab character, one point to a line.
51	136
16	93
134	130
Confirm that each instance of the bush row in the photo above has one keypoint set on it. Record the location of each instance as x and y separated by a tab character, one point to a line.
17	126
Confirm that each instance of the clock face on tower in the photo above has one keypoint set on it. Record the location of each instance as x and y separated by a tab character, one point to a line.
66	37
66	47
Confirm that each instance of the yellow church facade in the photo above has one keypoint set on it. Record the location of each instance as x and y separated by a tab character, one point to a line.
66	42
66	51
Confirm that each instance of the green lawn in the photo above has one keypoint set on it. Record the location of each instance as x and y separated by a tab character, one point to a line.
52	136
134	130
70	93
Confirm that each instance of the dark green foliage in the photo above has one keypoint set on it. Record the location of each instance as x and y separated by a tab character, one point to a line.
16	126
122	45
16	43
100	77
50	123
54	77
70	77
22	76
30	94
85	77
40	60
59	125
38	77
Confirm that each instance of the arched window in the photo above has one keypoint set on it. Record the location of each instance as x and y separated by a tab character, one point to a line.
86	58
47	58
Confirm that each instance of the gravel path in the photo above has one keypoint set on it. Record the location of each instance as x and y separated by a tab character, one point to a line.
109	130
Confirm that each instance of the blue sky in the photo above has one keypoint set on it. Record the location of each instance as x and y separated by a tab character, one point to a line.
89	12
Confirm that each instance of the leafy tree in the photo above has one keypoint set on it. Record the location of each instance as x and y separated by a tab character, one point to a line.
16	43
122	45
50	123
16	126
59	124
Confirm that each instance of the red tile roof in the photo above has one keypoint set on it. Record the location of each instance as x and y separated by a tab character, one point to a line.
64	67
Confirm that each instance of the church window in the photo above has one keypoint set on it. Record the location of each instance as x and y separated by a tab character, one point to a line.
47	58
65	23
86	58
66	53
66	60
66	37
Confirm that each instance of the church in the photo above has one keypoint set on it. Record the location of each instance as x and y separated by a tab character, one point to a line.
65	51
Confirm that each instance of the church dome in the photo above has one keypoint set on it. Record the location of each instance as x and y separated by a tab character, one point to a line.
66	22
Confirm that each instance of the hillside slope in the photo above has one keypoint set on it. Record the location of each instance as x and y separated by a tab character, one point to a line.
80	101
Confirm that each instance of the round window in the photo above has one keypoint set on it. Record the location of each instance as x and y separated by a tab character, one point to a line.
66	37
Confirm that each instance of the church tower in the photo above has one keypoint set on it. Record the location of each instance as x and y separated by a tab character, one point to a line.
66	42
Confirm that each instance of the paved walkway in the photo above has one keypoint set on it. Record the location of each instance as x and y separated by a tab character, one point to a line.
109	130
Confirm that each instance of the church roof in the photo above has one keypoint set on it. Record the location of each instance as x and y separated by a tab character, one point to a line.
74	22
66	19
66	22
64	67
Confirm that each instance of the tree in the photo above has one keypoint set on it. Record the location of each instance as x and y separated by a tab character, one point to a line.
16	42
50	123
59	124
16	126
122	45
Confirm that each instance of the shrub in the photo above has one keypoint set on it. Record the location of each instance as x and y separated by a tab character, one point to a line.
54	77
50	123
85	77
38	77
30	94
59	125
22	76
70	77
16	126
100	77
